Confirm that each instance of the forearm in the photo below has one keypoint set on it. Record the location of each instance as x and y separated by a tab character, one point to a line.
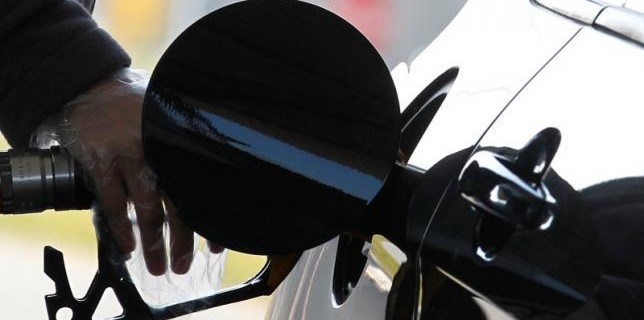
50	51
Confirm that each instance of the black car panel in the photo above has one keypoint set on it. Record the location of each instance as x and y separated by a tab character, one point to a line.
590	251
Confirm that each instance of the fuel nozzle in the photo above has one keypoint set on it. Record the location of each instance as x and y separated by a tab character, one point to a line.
34	180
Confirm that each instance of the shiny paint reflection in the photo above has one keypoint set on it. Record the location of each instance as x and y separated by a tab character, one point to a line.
594	99
306	293
263	146
497	46
511	186
591	254
551	270
287	116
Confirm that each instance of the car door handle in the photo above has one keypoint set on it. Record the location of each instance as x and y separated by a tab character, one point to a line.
510	186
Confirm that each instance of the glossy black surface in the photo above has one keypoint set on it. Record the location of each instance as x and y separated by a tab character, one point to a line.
511	188
550	269
589	258
271	124
420	112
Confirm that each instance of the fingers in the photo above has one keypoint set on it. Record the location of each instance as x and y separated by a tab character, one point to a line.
181	241
102	130
135	177
114	201
150	216
215	248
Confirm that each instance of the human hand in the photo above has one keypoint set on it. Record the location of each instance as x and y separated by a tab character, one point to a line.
102	130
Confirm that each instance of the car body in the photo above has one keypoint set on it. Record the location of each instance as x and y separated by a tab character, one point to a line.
520	127
542	109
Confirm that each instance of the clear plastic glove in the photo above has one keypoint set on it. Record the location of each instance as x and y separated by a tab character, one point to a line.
102	130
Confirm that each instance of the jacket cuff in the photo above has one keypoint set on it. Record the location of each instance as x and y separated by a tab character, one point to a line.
44	89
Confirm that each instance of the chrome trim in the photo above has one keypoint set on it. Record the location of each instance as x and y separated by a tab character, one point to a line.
624	22
611	3
583	11
622	18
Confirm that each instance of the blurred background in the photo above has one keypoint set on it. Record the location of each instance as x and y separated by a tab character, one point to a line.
399	29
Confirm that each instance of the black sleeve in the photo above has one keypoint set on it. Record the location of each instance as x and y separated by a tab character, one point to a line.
50	51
